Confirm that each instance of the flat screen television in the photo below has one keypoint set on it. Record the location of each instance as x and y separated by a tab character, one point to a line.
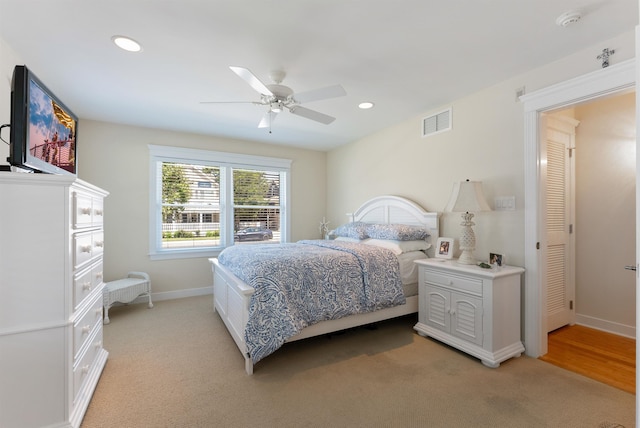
43	130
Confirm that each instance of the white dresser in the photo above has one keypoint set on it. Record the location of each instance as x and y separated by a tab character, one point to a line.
51	247
470	308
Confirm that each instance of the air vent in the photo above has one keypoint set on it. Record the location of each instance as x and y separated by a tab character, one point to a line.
439	122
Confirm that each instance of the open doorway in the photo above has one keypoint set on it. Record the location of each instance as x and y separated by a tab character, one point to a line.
600	200
600	203
607	81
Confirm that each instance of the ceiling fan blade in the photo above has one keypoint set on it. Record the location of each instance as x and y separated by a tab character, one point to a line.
311	114
230	102
252	80
320	94
267	119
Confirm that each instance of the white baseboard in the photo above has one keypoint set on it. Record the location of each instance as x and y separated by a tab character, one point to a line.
608	326
170	295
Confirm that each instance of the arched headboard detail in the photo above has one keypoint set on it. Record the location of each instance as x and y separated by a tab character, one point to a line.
390	209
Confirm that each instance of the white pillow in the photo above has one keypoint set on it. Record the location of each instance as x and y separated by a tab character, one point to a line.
399	247
347	239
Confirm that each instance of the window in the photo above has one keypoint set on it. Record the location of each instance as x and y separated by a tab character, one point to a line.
203	201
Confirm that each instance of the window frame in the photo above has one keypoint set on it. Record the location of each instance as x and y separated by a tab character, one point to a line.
226	162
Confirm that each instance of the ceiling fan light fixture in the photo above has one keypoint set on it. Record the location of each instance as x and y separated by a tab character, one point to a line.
126	43
568	18
366	105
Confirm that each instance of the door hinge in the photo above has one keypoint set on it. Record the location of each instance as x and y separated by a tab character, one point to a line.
537	245
570	228
571	304
570	152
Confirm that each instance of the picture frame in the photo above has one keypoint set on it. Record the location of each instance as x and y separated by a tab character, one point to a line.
496	259
444	248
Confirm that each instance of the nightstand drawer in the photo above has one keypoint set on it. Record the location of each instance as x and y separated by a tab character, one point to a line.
455	282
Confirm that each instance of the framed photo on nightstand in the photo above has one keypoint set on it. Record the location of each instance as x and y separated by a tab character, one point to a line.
444	249
495	259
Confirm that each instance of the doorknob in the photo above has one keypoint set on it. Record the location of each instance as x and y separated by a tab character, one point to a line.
630	267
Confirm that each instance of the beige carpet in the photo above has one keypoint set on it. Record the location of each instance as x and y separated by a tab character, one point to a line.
176	366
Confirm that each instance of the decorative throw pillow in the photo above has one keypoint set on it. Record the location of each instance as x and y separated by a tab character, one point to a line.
355	230
398	232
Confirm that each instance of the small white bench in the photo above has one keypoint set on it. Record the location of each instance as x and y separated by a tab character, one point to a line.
125	291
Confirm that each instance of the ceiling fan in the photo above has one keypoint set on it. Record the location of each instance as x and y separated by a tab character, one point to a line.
279	97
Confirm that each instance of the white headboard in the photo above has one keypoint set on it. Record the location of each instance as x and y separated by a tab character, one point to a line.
396	209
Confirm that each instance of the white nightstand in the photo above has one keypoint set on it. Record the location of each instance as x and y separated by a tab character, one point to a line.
470	308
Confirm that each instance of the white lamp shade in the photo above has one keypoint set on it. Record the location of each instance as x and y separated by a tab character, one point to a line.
467	196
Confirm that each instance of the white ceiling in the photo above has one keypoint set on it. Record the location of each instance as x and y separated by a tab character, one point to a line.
406	56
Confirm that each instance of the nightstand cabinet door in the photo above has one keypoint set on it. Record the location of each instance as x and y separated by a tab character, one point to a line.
437	302
454	313
466	318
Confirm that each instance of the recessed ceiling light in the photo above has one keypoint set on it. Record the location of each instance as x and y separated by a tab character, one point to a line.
366	105
126	43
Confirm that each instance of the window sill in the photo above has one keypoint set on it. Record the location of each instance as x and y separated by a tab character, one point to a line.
185	254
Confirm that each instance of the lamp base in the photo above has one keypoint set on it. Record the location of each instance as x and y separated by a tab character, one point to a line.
467	240
467	258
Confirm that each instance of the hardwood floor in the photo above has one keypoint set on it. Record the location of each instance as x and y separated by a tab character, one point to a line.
602	356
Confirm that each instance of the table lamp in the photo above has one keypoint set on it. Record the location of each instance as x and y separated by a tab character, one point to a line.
467	197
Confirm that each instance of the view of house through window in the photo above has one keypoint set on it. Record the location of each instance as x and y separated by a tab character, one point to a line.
256	205
192	205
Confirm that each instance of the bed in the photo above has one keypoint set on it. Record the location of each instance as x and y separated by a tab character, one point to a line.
233	296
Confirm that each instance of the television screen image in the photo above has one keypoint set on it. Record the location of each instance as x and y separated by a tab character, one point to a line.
43	130
52	130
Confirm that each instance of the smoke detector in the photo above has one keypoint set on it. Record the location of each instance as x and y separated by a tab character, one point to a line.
568	18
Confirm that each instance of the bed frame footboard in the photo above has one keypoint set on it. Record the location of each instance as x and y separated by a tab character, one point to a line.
231	299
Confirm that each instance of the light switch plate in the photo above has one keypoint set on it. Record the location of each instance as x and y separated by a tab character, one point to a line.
505	203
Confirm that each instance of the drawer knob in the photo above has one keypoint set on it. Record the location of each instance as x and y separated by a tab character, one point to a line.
98	344
85	369
86	329
99	244
99	275
85	211
85	249
86	286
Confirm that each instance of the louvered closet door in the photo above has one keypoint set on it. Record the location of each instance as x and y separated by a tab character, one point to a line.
560	145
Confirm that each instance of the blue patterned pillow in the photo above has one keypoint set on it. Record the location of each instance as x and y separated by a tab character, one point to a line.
355	230
398	232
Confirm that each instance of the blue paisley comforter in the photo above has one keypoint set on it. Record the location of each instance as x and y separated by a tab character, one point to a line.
297	285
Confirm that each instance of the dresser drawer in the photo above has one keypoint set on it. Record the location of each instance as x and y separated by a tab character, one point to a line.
454	282
87	245
84	364
87	210
82	245
82	287
97	212
87	325
82	210
97	243
85	281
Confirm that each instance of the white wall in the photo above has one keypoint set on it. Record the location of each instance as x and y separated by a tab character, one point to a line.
486	144
605	213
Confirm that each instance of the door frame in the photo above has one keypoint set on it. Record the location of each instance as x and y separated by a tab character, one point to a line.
605	81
